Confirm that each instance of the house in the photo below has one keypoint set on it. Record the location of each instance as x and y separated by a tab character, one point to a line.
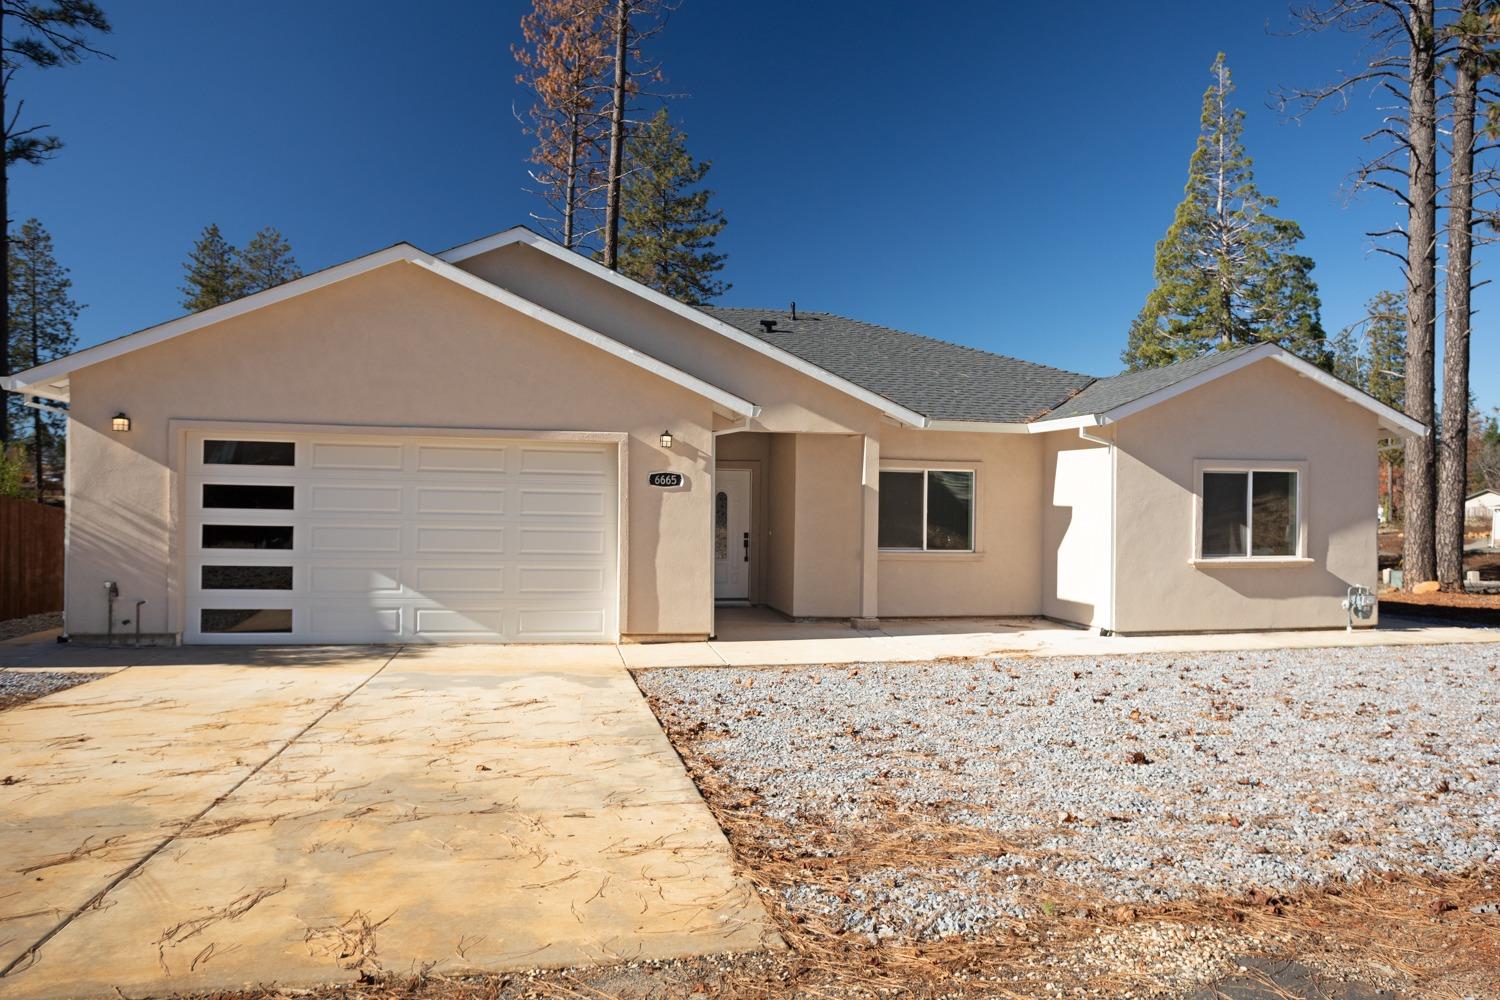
1481	506
506	441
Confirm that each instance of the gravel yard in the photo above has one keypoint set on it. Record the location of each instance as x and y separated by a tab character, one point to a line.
14	628
922	803
18	686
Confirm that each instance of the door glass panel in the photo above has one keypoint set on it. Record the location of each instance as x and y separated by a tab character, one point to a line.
260	620
901	510
247	497
249	453
950	511
1224	515
721	526
247	536
1273	513
247	578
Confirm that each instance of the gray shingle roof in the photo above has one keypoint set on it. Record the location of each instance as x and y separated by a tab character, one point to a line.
1107	393
940	380
944	381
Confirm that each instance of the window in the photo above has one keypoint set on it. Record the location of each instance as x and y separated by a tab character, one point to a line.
245	620
249	453
928	510
248	497
1249	513
247	536
247	578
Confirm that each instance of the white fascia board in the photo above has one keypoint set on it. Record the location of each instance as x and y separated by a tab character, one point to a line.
1042	426
55	373
520	234
1391	419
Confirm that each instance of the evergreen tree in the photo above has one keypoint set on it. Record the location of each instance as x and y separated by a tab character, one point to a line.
41	328
1227	271
214	273
670	227
35	34
266	262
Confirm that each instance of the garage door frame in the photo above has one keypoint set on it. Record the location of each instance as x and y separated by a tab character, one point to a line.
179	430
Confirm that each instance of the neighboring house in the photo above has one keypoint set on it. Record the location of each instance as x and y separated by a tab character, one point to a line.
508	442
1481	506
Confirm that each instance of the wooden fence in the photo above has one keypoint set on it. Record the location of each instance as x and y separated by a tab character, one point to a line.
31	558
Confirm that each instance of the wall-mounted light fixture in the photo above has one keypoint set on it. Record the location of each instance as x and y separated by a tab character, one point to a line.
666	439
120	422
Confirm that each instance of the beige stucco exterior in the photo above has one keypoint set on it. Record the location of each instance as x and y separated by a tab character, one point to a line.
1096	532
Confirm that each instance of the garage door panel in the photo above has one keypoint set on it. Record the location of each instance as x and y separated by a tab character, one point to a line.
334	536
368	580
459	500
561	541
434	580
556	461
460	458
354	499
403	540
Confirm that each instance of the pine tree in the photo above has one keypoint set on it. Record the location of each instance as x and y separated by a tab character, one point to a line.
669	225
266	262
214	272
39	36
41	328
1227	271
563	60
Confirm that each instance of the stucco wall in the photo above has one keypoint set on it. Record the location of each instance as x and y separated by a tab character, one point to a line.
828	526
396	347
1076	539
789	401
1265	411
1003	575
781	523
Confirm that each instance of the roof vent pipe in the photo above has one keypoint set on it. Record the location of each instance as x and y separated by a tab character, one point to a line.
794	310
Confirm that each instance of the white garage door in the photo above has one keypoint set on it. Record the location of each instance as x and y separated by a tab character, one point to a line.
352	538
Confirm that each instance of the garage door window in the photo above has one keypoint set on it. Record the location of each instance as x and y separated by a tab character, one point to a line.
247	536
247	578
249	453
258	620
248	497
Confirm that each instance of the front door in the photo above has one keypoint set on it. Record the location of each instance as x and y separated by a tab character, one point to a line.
732	536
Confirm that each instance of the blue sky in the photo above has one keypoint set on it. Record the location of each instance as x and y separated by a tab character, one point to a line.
989	175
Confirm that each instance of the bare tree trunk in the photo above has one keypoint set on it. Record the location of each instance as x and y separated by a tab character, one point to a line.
36	415
617	137
4	251
1420	555
1453	467
570	191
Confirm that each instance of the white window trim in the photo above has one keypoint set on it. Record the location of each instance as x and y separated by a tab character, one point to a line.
972	468
1299	558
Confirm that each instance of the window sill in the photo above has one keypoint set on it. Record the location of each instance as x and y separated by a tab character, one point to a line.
949	554
1251	562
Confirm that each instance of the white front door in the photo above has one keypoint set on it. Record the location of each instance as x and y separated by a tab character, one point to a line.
732	535
348	537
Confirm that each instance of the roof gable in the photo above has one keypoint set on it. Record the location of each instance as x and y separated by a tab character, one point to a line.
50	380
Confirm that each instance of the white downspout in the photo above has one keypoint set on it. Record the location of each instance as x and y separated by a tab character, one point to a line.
1108	625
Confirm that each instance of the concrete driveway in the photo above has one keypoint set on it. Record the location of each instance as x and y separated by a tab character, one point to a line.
206	818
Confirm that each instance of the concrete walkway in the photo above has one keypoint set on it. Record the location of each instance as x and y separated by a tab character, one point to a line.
206	819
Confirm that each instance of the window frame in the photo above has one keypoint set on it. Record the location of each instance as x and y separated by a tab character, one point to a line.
1299	469
971	470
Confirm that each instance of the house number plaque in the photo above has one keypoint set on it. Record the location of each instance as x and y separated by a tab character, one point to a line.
667	480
